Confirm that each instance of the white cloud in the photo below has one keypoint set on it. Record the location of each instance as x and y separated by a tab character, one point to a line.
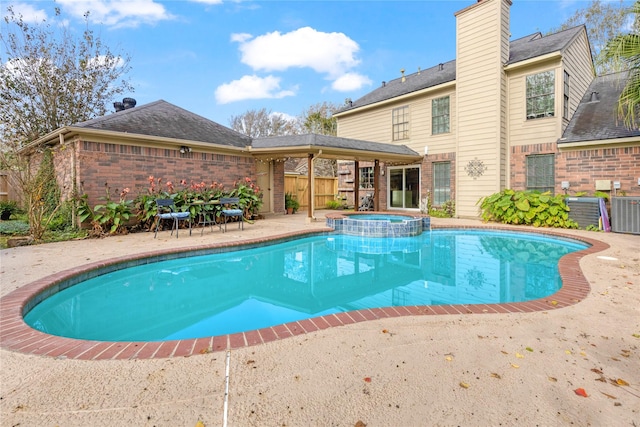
251	87
208	1
240	37
28	13
328	53
350	81
118	13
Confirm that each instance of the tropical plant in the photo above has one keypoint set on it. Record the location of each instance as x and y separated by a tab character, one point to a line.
7	208
526	208
626	48
113	216
250	196
291	202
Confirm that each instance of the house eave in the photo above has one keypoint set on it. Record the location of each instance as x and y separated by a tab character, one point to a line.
608	143
332	153
396	99
534	61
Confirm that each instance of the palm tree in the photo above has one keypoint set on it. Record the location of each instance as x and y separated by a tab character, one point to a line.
626	48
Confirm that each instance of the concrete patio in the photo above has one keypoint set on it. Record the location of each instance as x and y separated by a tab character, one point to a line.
456	369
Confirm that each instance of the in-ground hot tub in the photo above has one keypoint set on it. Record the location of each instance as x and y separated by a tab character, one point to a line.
378	224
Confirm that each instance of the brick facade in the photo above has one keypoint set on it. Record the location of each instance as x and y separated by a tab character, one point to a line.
582	167
120	166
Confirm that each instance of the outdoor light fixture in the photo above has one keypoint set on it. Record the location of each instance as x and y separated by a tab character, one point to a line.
565	185
185	149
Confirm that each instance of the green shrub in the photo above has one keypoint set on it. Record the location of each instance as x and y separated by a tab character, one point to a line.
526	208
333	204
14	228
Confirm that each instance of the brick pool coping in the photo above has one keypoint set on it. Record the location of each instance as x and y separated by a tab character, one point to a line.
17	336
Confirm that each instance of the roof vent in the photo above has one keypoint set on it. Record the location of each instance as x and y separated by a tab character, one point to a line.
594	97
440	66
403	78
119	106
384	83
128	103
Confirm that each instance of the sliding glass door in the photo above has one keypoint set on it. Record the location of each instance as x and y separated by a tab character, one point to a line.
404	187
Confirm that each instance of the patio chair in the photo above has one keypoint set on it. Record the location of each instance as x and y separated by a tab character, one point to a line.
167	210
367	203
231	209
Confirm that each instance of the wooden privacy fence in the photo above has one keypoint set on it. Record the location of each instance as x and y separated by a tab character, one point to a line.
325	189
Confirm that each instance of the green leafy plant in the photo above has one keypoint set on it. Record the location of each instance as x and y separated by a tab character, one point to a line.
447	210
250	196
290	202
334	204
8	208
527	208
113	216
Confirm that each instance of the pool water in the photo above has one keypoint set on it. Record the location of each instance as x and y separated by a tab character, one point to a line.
250	289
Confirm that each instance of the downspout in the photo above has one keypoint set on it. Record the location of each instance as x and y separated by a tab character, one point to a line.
310	182
74	186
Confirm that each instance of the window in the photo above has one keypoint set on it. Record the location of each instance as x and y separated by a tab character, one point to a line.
540	172
440	115
540	95
400	123
366	177
441	183
565	105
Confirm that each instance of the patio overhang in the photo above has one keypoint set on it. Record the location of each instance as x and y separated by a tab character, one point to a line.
314	146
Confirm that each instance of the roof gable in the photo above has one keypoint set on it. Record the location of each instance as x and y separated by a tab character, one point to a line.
521	49
595	118
163	119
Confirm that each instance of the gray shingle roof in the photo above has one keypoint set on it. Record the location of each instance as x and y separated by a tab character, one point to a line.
595	119
163	119
521	49
315	140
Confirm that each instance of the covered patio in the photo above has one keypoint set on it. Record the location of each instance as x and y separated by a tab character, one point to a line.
313	146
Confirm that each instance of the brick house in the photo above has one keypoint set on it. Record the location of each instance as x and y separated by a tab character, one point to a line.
123	149
520	114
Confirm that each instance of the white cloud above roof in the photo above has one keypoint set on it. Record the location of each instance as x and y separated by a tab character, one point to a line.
327	53
350	82
251	87
118	13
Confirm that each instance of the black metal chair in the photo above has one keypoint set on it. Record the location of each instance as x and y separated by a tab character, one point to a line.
166	209
231	209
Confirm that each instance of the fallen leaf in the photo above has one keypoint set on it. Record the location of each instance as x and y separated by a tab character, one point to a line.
567	351
515	366
596	370
635	335
552	379
199	424
581	392
384	331
602	379
360	424
503	352
250	361
464	385
367	379
608	395
448	358
494	375
206	350
554	303
519	356
583	354
529	349
620	381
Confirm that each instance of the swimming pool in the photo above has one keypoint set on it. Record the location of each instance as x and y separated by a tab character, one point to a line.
304	278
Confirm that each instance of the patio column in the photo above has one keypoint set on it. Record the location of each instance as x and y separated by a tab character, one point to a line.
310	182
356	184
376	185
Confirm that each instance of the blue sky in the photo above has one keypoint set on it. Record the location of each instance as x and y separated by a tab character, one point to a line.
222	58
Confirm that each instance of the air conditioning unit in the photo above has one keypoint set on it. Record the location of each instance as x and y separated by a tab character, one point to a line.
625	215
584	210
